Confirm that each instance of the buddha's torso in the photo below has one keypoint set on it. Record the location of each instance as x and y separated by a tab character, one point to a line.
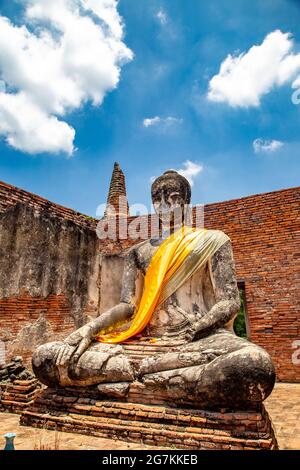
172	319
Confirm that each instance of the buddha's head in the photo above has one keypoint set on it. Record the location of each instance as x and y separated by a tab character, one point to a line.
171	196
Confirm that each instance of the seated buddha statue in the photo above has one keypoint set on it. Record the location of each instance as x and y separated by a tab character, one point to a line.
176	337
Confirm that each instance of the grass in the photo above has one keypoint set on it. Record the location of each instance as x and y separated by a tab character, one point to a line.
41	441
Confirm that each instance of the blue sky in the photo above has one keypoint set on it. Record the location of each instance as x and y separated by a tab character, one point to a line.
178	47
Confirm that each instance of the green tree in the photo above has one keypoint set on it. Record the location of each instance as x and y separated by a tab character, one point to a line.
239	325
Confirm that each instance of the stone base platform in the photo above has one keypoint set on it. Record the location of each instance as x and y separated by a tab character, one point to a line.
182	428
17	396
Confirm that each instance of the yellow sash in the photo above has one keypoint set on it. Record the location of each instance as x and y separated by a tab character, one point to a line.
176	259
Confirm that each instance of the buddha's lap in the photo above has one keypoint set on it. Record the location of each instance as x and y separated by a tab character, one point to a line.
221	342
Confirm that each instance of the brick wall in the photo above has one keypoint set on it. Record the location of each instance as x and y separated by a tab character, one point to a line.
49	261
27	320
265	233
11	195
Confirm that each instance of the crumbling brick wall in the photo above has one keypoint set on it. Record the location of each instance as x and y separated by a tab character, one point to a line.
265	233
48	277
11	195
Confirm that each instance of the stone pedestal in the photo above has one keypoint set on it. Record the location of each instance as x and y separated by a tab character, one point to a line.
82	411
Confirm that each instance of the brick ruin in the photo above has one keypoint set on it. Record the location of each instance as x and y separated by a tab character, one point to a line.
55	271
49	260
117	198
86	412
18	386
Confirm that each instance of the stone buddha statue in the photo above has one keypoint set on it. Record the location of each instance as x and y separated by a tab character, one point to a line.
176	337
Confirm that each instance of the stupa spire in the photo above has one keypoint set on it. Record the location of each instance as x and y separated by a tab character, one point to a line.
117	203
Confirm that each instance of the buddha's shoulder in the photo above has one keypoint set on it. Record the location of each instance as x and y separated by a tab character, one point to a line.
221	243
215	231
218	234
141	247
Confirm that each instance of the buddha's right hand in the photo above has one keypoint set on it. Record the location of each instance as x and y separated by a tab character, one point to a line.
74	346
79	341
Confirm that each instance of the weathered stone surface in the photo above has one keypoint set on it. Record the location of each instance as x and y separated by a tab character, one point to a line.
51	259
115	390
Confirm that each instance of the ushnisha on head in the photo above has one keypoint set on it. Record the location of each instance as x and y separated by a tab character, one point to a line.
171	196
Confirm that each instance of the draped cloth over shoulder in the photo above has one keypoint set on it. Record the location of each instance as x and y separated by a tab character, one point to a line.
174	262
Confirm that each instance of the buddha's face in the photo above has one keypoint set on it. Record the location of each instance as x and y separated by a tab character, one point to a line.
170	198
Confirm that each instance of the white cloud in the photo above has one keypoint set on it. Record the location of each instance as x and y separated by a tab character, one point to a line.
162	122
190	170
244	79
267	146
148	122
68	52
162	16
29	129
172	120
